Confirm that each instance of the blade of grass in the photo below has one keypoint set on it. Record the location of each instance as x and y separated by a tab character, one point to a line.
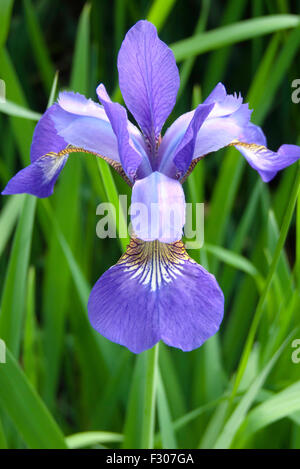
268	282
67	210
113	198
8	218
164	417
135	406
95	345
29	414
233	164
159	12
12	109
30	332
86	439
13	296
235	260
79	74
219	59
232	34
6	9
235	420
187	66
277	407
39	47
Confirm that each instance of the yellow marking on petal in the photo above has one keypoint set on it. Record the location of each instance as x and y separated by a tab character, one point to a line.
70	149
153	262
248	146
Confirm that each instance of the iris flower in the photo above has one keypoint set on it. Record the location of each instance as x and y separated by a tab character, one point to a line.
155	291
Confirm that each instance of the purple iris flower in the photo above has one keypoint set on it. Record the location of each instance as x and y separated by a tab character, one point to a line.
155	291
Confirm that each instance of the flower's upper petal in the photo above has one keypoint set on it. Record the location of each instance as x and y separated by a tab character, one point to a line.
148	77
130	158
252	145
38	178
158	208
156	292
224	123
176	163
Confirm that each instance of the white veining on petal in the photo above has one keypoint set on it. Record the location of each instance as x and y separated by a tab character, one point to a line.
50	165
154	263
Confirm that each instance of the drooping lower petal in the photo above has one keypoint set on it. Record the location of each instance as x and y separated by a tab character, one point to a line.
148	77
252	145
158	208
156	292
38	178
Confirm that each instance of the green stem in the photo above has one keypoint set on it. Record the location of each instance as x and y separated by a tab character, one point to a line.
261	303
147	437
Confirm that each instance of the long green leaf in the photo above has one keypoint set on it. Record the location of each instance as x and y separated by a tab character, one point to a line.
26	409
233	423
86	439
13	297
232	34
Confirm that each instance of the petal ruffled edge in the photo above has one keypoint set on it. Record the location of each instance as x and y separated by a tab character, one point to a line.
225	122
156	292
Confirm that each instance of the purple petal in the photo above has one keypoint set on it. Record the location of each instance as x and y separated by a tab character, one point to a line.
149	78
79	105
84	124
224	104
228	117
175	164
266	162
158	208
129	157
38	178
226	121
156	292
45	136
217	132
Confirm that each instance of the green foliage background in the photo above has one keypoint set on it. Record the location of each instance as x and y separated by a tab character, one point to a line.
63	385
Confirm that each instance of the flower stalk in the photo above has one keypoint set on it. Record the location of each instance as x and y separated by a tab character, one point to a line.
148	425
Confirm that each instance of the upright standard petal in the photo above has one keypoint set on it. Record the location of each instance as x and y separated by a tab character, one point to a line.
224	123
156	292
129	157
176	162
148	77
158	208
252	145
